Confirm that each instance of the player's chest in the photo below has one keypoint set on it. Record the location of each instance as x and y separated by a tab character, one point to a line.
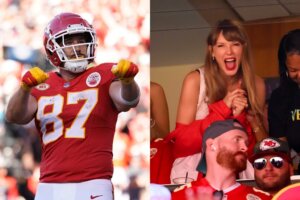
70	104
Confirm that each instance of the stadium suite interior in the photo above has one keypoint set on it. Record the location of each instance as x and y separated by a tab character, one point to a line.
178	39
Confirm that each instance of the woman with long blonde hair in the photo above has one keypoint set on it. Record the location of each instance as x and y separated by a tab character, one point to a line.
224	87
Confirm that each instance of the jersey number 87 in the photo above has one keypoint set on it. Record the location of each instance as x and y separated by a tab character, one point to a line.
77	129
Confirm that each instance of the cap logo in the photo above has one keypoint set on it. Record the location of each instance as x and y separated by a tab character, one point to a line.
268	144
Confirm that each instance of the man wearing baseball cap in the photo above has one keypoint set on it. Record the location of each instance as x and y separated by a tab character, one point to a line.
272	165
224	146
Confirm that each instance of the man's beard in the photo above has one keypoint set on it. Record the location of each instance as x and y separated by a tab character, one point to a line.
230	160
269	186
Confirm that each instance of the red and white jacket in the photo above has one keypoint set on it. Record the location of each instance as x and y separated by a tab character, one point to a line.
186	141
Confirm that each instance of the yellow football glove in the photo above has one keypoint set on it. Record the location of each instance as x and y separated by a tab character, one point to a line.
33	77
125	70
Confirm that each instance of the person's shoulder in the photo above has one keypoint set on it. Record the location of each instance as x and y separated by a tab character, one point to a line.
101	71
103	66
195	74
276	93
261	192
155	86
256	193
278	97
192	79
156	90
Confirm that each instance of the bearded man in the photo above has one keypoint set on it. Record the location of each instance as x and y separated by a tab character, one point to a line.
224	147
272	164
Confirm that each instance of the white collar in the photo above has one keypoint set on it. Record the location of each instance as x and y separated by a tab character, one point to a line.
230	188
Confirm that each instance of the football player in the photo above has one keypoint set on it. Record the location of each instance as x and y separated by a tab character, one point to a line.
75	110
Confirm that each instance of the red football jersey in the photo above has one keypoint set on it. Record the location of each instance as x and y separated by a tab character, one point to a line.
76	120
161	161
237	191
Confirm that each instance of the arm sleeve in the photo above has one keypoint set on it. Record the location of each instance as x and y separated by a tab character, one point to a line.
188	138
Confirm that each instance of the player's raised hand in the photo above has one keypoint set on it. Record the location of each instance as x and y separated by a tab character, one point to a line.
33	77
125	70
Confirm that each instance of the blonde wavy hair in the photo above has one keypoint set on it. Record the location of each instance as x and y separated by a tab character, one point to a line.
216	80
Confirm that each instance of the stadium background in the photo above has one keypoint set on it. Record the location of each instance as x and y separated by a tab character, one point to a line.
123	32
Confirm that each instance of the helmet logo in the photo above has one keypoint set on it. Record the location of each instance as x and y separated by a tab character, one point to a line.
93	79
74	27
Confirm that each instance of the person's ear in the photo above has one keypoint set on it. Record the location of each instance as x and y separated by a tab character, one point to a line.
211	52
213	147
210	144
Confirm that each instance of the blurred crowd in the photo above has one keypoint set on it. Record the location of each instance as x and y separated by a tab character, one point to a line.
123	29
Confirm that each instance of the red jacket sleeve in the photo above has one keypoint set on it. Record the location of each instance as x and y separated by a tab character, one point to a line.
188	138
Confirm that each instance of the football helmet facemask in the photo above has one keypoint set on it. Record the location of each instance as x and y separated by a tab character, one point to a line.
63	26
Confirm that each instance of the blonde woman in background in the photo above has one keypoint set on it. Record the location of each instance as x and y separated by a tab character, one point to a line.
225	87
